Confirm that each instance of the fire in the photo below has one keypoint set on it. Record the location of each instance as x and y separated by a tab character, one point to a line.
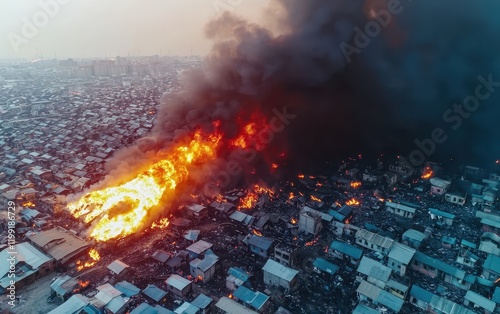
293	221
248	137
94	255
257	232
313	242
274	166
252	197
123	209
428	173
355	184
161	224
317	199
291	195
319	184
248	201
352	202
230	296
28	204
81	285
301	176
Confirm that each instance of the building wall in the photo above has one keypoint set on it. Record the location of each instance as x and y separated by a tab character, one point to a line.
270	279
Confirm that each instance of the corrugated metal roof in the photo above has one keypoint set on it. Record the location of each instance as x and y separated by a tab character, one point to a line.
178	282
202	301
199	247
206	263
374	238
66	242
279	270
401	253
374	269
441	213
154	292
364	309
260	242
414	234
401	207
347	249
447	306
481	301
367	289
127	288
117	266
72	305
186	308
442	266
421	294
390	300
144	308
325	266
233	307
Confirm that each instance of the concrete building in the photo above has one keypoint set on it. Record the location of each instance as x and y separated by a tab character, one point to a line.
286	255
310	223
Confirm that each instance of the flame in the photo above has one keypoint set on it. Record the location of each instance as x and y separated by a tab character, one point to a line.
122	210
293	221
319	184
257	232
248	136
252	197
291	195
81	285
352	202
28	204
219	198
301	176
355	184
428	173
161	224
94	255
199	278
497	281
313	242
230	296
274	166
314	198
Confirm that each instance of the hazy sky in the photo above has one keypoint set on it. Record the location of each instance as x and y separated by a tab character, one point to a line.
89	28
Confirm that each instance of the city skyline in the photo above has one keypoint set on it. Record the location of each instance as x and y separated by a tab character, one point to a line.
35	29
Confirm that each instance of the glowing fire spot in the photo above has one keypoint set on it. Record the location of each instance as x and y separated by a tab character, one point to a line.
313	242
161	224
317	199
319	184
81	285
274	166
293	221
94	255
123	210
252	197
230	296
28	204
291	195
352	202
257	232
428	173
355	184
301	176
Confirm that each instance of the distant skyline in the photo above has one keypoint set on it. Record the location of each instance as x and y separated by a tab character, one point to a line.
95	28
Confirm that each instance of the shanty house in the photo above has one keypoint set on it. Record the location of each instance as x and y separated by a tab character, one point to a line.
323	266
400	209
29	262
154	293
197	211
237	277
441	216
62	287
373	241
276	274
345	251
413	238
108	300
255	300
204	269
435	268
73	305
260	245
491	267
373	294
479	302
439	186
400	257
59	243
420	297
118	268
178	285
227	306
374	272
455	198
198	248
202	302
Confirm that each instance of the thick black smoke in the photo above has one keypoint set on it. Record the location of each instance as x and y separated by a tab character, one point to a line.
350	93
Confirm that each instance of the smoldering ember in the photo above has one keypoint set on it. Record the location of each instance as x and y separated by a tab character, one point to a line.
339	157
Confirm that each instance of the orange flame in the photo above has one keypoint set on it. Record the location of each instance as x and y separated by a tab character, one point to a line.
81	285
301	176
257	232
355	184
94	255
122	210
293	221
428	173
250	200
352	202
274	166
161	224
314	198
28	204
313	242
291	195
